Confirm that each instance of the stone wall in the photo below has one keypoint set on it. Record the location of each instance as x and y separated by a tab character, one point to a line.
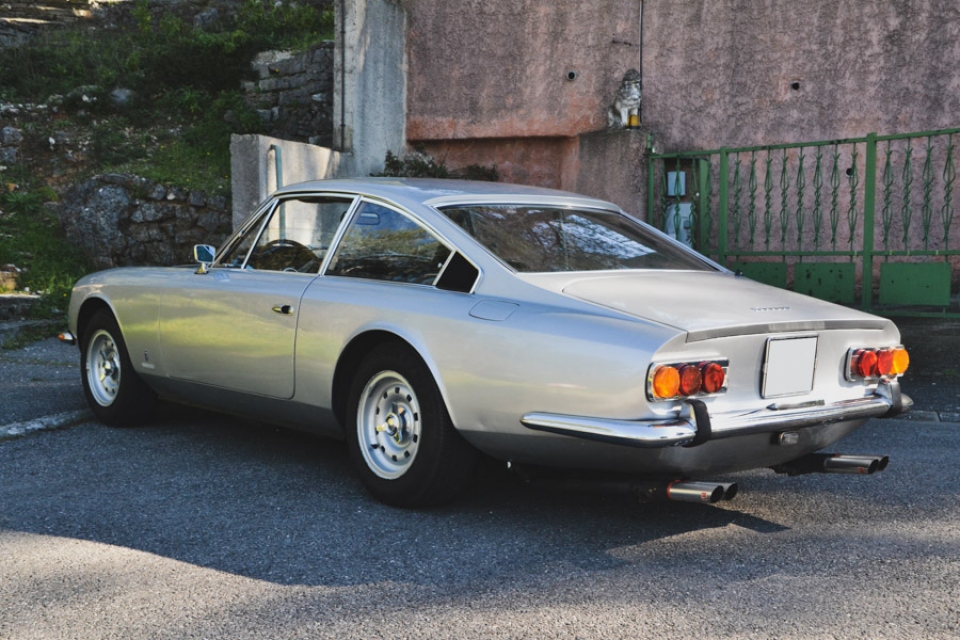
293	93
123	220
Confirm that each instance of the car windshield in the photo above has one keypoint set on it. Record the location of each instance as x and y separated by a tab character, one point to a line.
544	239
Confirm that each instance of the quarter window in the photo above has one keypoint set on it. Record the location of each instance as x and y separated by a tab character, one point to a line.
383	244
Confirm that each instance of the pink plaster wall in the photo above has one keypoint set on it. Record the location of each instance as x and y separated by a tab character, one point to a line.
545	162
719	72
497	68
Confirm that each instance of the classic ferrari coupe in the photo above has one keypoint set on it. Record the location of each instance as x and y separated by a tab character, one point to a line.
427	321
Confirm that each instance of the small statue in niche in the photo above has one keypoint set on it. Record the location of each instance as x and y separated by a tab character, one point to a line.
625	110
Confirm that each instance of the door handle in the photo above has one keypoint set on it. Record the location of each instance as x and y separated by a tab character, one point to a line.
284	309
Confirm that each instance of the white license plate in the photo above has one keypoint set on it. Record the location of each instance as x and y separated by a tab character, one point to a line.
788	367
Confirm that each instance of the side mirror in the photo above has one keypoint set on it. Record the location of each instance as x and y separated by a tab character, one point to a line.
205	255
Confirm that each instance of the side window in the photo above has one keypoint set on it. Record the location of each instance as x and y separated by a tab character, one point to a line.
295	238
382	244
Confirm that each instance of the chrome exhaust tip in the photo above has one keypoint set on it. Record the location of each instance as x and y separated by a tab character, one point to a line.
701	492
863	465
834	463
730	490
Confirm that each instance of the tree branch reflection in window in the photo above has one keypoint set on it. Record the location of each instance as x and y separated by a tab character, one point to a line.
382	244
544	239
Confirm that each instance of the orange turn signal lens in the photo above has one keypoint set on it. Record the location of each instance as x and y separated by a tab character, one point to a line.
690	380
713	377
666	382
901	360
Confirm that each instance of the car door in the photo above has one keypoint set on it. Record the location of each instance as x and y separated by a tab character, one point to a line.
234	325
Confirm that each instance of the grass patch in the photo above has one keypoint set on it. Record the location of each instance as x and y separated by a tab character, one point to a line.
184	79
157	56
31	238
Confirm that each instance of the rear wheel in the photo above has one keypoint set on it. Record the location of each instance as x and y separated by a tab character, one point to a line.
114	391
402	440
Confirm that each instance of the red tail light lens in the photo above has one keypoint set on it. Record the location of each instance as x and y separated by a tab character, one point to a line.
713	377
666	382
865	363
885	362
690	380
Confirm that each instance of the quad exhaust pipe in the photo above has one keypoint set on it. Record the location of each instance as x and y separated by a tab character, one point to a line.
833	463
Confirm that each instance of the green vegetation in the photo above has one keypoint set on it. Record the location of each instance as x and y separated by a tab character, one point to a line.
156	57
31	238
183	79
185	103
421	164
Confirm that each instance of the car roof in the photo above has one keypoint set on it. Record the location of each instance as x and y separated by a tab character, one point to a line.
439	192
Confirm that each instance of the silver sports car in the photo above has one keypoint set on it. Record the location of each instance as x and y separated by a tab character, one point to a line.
426	321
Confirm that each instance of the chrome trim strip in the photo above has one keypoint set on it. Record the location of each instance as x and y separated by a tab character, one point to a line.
669	432
653	434
797	326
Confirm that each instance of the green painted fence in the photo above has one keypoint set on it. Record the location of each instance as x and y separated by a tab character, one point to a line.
866	222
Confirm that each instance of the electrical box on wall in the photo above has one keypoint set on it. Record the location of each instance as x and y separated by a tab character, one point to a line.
676	183
679	222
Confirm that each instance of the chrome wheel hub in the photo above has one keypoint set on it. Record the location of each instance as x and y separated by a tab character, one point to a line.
103	368
388	424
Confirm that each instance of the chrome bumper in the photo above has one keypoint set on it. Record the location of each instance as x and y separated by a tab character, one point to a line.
699	426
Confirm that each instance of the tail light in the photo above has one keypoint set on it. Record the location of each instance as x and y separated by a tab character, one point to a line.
686	379
873	364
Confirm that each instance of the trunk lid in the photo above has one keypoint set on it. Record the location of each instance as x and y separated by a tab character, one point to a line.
706	304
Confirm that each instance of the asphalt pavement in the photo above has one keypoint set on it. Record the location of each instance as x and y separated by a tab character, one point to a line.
199	526
203	526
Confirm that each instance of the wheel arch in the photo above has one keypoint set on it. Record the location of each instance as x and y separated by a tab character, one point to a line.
349	362
89	307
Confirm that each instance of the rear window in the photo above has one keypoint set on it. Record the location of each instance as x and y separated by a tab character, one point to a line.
549	239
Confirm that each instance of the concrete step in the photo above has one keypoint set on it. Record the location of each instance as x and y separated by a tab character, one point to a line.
11	330
17	306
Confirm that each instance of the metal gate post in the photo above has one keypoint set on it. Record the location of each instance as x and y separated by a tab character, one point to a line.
651	182
703	204
869	211
724	189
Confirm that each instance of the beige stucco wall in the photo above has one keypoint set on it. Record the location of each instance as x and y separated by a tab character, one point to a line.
719	72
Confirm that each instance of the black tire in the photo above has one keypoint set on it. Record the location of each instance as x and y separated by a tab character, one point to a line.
400	436
114	391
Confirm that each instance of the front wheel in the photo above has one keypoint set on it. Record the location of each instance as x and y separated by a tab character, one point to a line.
114	391
402	440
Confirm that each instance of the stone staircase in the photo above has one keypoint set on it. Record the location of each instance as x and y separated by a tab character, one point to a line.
20	20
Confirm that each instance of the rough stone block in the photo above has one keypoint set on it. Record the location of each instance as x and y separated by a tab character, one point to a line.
10	135
197	199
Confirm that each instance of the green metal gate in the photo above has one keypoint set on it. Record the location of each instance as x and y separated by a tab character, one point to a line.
864	222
